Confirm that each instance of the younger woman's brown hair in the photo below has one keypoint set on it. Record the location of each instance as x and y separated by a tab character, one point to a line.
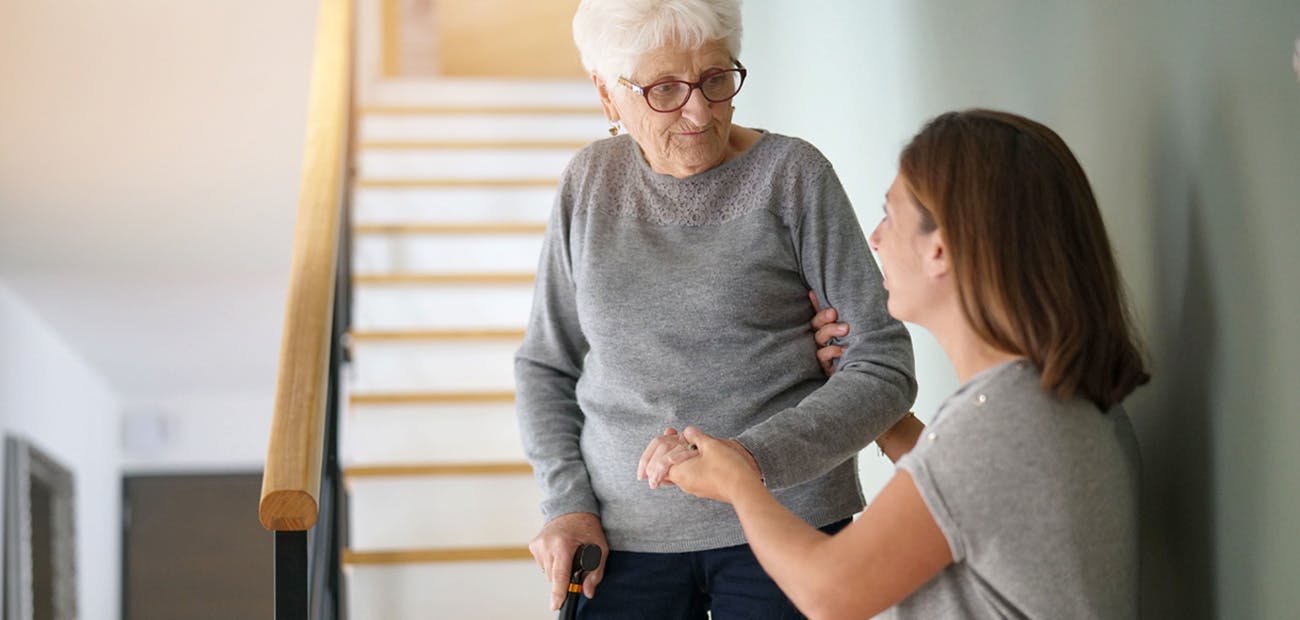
1034	269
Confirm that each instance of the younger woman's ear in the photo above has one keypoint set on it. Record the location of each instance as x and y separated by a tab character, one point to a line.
606	101
935	259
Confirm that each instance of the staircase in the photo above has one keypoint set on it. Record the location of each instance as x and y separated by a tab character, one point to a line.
454	184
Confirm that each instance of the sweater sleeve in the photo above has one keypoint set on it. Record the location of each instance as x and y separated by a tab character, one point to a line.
547	368
874	383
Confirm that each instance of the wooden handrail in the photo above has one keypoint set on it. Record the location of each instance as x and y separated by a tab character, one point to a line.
292	478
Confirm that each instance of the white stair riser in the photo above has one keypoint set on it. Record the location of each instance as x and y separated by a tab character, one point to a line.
456	253
482	127
436	366
424	433
441	307
461	164
444	511
452	205
514	590
486	92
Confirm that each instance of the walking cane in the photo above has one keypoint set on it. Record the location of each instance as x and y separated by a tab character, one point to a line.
585	559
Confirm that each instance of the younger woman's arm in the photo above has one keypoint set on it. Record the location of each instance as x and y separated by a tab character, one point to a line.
889	552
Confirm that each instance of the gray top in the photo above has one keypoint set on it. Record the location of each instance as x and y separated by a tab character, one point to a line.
667	302
1037	498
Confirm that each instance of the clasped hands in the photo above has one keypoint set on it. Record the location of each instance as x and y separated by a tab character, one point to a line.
698	463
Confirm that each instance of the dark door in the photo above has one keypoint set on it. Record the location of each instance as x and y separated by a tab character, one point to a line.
193	548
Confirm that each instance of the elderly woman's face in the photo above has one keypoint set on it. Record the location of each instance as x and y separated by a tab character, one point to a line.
687	141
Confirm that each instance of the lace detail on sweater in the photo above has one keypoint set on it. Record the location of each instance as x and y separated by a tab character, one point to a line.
773	173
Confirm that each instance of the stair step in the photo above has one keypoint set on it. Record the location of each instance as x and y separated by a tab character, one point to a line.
471	145
486	183
574	131
422	556
430	397
452	228
443	511
477	92
444	205
433	365
442	305
419	432
436	335
437	469
462	165
484	254
486	108
462	279
492	590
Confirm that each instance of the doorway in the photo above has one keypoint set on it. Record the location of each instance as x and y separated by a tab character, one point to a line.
193	548
40	558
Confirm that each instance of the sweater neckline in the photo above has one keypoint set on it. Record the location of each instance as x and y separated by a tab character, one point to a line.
669	179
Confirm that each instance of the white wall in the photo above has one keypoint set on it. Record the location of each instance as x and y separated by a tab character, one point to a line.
1186	116
149	174
197	433
52	398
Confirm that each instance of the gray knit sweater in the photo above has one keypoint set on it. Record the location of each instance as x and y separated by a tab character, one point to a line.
667	302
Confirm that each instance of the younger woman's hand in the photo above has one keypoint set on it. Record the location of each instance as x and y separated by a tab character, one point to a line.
718	470
825	326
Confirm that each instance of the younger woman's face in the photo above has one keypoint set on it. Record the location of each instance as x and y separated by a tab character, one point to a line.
903	248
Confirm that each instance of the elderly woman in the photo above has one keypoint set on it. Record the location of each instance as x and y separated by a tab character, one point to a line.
1020	500
672	290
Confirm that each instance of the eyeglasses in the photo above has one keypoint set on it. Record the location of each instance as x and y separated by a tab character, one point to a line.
672	95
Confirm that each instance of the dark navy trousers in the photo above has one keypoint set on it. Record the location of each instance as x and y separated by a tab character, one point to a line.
729	582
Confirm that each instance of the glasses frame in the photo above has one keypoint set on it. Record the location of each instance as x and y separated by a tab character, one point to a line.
644	90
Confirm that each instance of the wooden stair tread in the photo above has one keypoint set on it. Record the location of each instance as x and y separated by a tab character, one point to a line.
404	470
421	556
466	228
471	279
435	334
430	398
456	183
473	145
467	110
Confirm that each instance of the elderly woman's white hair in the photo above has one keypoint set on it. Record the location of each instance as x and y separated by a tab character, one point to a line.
612	35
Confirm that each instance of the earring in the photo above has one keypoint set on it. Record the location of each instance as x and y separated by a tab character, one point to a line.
613	129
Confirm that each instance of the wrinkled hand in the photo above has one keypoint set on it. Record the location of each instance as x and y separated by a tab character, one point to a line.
661	454
672	448
825	327
554	546
718	472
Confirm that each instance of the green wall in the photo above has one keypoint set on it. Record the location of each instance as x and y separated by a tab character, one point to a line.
1186	115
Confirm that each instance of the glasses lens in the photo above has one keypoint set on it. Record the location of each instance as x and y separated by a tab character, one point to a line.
721	86
667	96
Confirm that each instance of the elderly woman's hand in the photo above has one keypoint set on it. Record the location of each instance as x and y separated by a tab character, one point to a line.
717	472
671	448
553	550
825	328
663	452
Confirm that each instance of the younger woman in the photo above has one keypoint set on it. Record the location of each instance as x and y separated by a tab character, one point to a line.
1020	499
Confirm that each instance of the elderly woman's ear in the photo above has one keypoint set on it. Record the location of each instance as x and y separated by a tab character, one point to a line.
606	100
